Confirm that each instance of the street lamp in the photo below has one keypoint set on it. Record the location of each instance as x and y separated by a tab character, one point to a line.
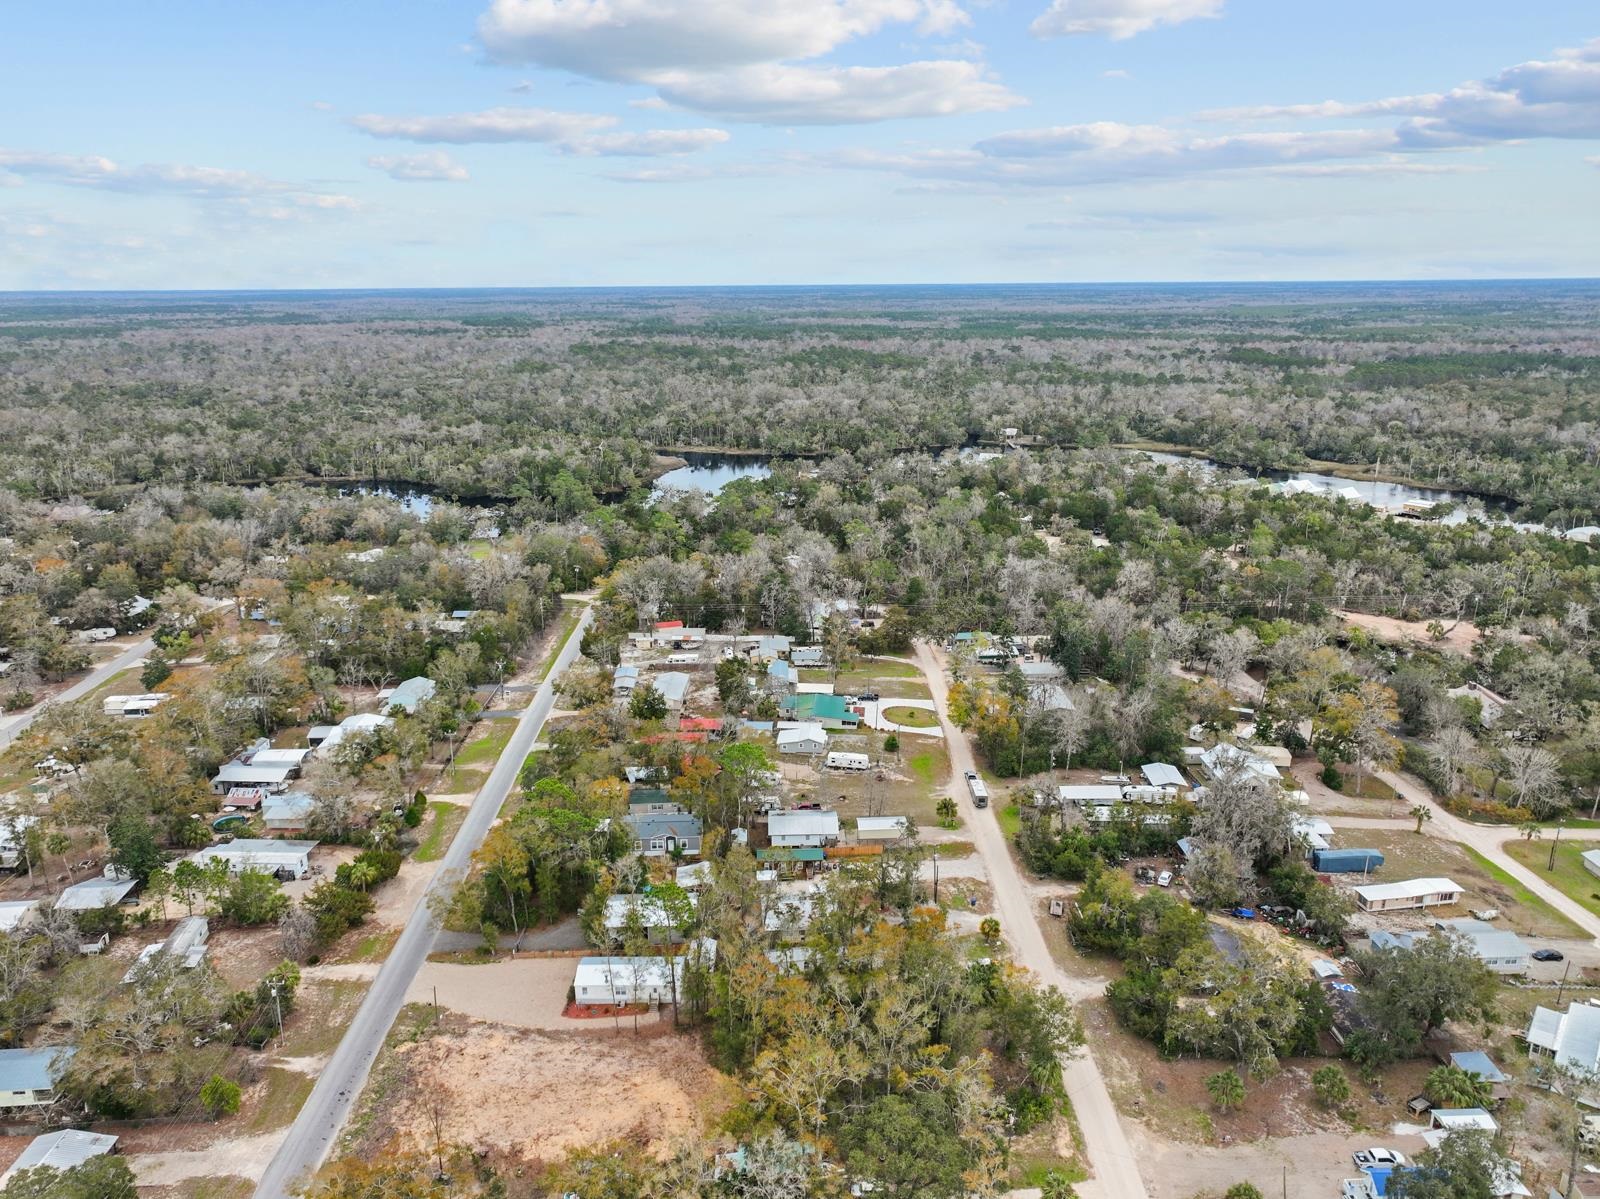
936	878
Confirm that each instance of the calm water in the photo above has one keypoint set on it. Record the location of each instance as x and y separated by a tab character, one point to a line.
1388	496
709	473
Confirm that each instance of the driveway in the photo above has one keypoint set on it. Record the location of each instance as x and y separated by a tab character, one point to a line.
1111	1157
872	715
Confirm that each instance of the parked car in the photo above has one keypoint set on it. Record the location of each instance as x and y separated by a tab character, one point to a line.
1547	955
868	697
1378	1157
1164	879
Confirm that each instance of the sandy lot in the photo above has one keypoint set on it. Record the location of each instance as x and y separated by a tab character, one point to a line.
521	992
1459	640
653	1089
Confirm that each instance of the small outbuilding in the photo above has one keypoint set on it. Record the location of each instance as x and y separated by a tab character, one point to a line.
61	1150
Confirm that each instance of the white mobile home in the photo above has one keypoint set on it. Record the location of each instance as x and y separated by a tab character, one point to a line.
28	1076
804	828
292	858
1414	893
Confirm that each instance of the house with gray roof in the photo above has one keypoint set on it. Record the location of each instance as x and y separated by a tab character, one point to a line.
409	695
661	834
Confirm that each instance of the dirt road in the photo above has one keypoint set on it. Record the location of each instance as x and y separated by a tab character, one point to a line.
1110	1155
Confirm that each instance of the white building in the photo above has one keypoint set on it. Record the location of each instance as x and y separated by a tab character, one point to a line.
324	737
1223	760
672	686
95	893
1491	707
652	911
1386	897
133	705
186	942
619	981
1163	774
289	812
804	828
239	774
880	828
1591	861
1571	1037
1500	949
409	695
806	737
1413	893
248	853
18	914
28	1076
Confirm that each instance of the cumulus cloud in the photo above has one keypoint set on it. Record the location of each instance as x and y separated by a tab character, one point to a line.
435	166
746	60
780	94
652	143
1542	98
633	40
1118	19
490	125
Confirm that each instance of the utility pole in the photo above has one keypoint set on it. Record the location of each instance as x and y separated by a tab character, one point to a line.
1562	988
936	878
277	1002
1553	844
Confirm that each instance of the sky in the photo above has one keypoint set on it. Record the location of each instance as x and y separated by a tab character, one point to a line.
177	144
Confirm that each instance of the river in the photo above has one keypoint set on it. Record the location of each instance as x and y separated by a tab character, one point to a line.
709	473
1388	496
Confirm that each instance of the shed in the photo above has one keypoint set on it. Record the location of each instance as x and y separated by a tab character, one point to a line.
672	686
693	876
28	1076
1455	1119
251	853
880	828
60	1151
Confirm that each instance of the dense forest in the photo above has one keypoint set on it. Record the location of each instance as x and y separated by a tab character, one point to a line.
554	397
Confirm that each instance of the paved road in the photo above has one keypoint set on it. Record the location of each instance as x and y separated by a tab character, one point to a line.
317	1127
1489	840
12	726
1116	1171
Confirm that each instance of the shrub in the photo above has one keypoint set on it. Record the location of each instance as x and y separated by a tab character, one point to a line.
220	1096
337	909
1331	1086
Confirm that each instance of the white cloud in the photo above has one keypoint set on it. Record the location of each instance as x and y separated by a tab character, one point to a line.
1116	73
1554	98
1106	152
738	59
780	94
432	166
490	125
650	102
1118	19
634	40
652	143
95	171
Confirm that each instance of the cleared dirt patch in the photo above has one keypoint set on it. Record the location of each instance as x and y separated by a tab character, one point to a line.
535	1097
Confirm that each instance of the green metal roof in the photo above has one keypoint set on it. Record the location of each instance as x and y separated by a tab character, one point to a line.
784	853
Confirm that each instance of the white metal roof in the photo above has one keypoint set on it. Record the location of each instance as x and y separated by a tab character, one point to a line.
1090	793
651	909
1413	888
1162	774
1457	1118
672	685
803	823
60	1151
14	911
238	772
804	731
873	824
95	893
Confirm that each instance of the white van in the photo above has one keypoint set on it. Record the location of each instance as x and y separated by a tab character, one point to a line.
843	761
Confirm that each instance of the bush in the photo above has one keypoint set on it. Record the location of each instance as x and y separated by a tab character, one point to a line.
385	864
1242	1190
1331	1086
337	909
19	699
253	897
220	1096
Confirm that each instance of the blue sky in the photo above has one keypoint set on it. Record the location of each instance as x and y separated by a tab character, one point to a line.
178	144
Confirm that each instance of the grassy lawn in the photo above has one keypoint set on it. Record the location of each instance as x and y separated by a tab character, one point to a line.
284	1094
1010	818
931	766
1569	875
477	757
908	790
570	614
124	682
445	819
888	668
916	718
1407	855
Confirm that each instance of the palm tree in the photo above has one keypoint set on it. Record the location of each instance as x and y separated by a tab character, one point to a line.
1422	813
1226	1089
1451	1086
363	875
1530	830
